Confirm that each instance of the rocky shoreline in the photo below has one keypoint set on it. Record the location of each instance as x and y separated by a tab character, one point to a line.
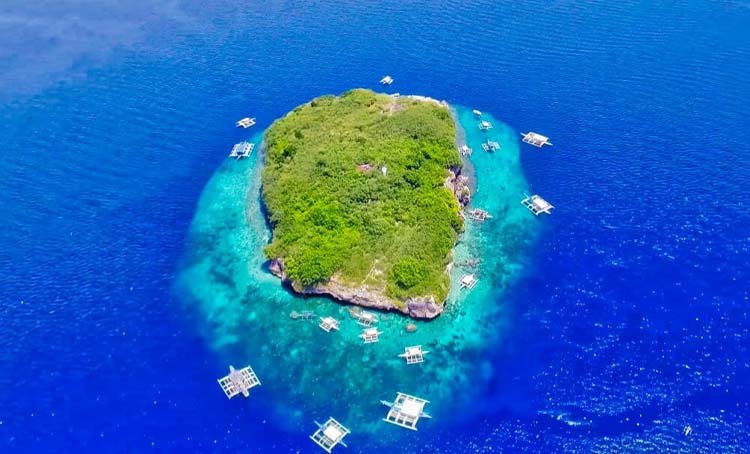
418	307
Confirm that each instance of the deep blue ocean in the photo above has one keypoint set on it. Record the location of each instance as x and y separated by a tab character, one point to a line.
630	320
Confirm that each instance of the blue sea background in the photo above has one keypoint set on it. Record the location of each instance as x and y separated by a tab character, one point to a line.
629	321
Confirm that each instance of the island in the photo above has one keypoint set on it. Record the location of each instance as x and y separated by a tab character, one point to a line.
364	195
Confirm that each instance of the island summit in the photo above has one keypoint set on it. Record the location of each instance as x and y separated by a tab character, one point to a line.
363	193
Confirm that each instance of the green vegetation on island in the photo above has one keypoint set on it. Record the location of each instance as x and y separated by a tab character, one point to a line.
355	189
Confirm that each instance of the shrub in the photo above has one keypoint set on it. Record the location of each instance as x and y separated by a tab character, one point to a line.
328	217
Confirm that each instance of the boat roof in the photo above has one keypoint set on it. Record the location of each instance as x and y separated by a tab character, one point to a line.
540	202
537	136
412	408
332	432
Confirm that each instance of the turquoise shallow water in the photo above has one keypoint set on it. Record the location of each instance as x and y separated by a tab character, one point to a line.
310	374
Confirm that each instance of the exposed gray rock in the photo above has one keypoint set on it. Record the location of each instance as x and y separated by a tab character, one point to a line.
423	307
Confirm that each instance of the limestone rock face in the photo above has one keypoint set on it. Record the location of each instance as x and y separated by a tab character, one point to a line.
458	185
276	267
423	307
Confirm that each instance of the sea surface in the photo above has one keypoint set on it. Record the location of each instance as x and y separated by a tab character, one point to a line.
130	249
